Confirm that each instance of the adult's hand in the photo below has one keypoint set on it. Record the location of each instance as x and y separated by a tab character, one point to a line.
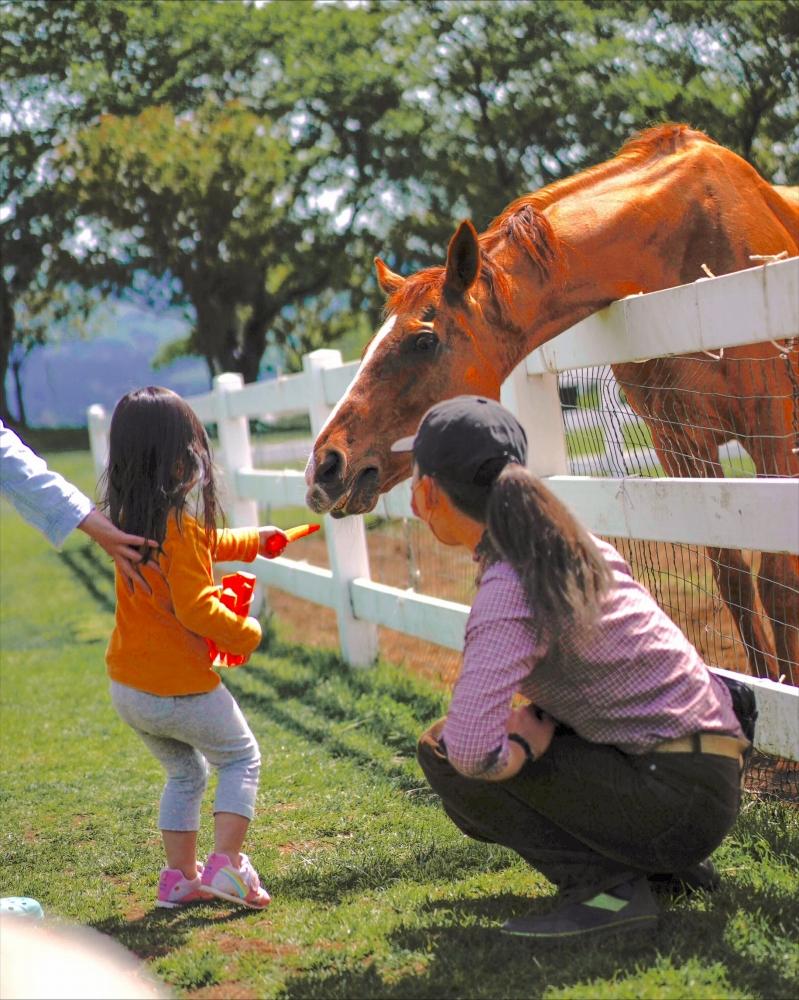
124	549
533	726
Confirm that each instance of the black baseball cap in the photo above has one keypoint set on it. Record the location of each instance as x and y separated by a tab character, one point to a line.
466	440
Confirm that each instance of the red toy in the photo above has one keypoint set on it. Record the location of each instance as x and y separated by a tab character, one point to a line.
236	595
276	544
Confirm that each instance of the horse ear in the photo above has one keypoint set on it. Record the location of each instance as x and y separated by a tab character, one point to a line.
463	260
389	281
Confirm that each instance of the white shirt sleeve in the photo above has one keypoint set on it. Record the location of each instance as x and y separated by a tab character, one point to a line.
44	498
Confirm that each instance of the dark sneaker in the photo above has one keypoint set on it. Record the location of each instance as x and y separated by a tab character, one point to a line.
701	877
629	906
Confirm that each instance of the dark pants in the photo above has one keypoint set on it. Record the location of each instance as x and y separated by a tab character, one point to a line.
588	816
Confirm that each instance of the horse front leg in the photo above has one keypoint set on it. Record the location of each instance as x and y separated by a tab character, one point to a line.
778	586
735	583
778	579
698	457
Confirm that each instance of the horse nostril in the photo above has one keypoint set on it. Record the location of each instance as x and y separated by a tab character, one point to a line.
367	479
330	470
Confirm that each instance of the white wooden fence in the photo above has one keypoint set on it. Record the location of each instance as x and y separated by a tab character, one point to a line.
760	304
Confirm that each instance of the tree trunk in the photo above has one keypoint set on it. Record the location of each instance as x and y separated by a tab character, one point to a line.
6	341
16	371
253	337
217	335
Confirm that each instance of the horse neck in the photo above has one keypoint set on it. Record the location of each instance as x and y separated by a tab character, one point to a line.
606	250
627	227
543	306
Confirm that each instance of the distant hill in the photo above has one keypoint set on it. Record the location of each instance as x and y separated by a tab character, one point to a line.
61	381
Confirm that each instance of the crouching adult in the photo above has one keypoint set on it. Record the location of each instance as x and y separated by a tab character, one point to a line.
625	768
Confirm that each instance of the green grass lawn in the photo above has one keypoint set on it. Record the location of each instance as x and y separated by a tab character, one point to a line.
375	893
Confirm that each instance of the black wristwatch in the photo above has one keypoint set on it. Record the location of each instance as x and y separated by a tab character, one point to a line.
528	753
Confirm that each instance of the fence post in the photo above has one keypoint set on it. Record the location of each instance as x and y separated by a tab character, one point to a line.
98	438
346	537
234	449
535	401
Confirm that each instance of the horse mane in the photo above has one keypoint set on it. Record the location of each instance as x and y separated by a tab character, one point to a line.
642	147
661	140
524	223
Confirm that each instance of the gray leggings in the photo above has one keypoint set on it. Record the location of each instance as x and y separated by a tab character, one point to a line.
186	733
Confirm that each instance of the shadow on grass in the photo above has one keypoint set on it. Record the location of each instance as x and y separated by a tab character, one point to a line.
272	704
470	957
159	932
424	701
456	949
337	879
96	576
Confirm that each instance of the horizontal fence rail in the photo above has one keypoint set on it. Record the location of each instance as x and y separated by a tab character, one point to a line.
762	514
732	310
692	511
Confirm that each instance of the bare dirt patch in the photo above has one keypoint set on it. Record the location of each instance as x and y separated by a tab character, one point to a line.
301	846
231	945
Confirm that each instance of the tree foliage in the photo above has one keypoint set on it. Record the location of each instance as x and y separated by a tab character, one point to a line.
252	159
206	201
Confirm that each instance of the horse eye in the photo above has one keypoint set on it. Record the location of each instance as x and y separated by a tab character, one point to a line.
425	342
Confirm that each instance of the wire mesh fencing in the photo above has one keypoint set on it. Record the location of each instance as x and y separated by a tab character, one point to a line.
724	415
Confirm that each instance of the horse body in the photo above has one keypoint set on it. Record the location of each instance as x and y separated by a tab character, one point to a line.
670	202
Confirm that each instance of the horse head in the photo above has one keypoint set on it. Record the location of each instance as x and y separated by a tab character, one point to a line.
437	341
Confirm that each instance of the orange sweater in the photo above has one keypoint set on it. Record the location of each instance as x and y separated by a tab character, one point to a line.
157	643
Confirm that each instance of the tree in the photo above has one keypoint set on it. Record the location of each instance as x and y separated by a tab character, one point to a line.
63	65
390	121
209	199
741	62
128	56
509	95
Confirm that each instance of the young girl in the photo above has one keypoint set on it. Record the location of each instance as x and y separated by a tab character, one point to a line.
160	484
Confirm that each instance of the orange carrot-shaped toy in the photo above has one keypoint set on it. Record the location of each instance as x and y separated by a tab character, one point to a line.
237	589
276	544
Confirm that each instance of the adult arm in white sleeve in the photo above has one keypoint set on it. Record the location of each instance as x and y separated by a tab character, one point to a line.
53	505
42	497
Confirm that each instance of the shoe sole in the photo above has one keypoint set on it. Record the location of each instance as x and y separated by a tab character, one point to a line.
209	890
165	905
642	923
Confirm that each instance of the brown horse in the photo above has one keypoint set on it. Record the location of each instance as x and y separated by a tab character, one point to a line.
671	201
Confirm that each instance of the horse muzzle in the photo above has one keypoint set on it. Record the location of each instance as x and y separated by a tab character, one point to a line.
336	490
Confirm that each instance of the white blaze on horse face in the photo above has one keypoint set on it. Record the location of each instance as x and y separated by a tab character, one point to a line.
375	342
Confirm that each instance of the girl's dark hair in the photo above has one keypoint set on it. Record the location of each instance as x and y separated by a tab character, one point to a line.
158	454
563	572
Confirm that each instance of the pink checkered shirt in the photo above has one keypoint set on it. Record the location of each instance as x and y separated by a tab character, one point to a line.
633	681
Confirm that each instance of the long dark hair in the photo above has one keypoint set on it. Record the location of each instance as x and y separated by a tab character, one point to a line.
563	572
158	455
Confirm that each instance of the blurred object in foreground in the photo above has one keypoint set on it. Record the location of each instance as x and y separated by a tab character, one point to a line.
62	962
